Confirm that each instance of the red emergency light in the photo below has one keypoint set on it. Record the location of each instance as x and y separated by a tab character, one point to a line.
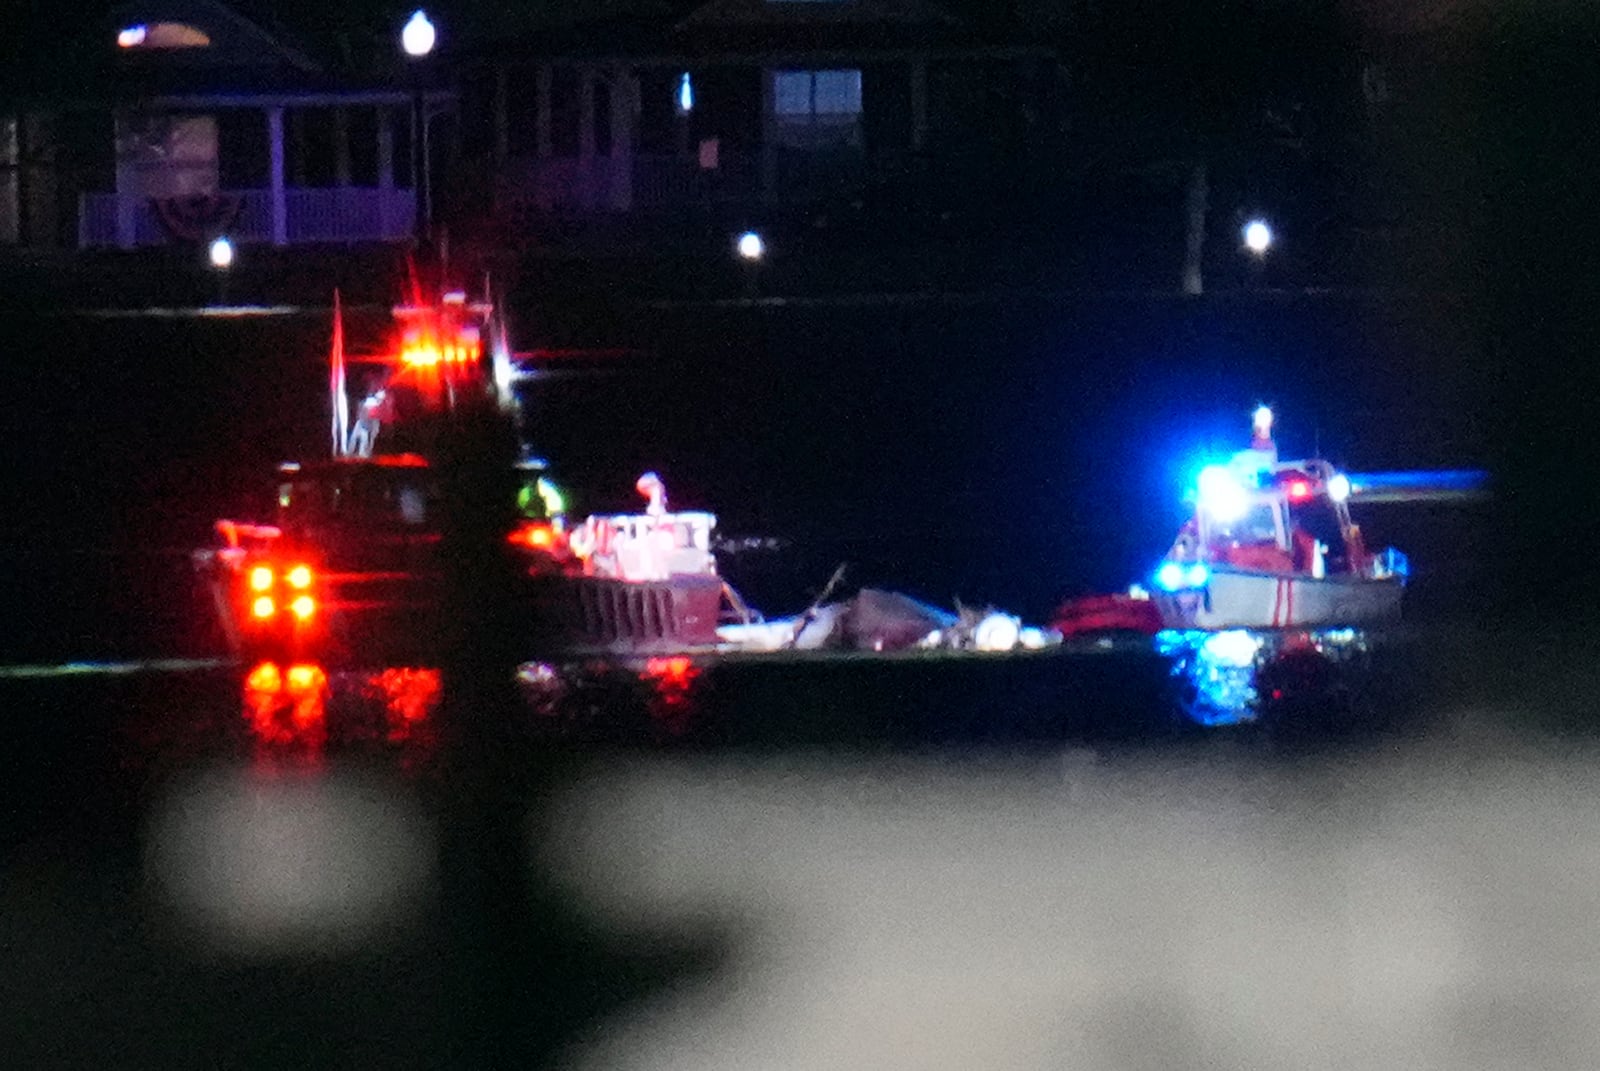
262	580
535	535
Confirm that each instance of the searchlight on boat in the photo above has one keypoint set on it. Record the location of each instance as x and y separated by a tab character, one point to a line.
1176	576
1221	494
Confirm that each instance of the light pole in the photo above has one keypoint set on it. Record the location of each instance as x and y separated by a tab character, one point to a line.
1258	239
220	253
417	39
751	250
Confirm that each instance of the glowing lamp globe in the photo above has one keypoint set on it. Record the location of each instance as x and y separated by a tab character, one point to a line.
418	35
1257	237
221	253
750	246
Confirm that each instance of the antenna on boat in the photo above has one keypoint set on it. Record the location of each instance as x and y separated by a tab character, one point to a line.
340	400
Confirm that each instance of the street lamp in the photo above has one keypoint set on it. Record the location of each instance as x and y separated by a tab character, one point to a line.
751	249
1258	237
417	39
418	35
220	253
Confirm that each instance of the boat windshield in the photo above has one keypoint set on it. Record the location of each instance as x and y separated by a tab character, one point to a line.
1258	525
378	499
1318	520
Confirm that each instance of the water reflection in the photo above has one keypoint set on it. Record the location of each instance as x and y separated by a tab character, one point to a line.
663	696
1239	676
409	697
287	707
296	708
671	699
1309	679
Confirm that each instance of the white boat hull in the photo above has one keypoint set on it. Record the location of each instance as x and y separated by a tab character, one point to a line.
1235	598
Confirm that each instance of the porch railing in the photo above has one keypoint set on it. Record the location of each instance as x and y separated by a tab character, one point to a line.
335	215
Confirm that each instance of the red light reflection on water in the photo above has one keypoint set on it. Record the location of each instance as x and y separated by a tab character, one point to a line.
672	682
409	697
297	707
287	706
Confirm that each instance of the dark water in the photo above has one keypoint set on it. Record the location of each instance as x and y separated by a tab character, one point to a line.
261	865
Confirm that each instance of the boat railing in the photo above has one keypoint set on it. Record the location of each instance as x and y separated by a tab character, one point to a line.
641	546
1390	563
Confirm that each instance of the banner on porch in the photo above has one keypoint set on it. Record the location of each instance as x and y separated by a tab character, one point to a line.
196	217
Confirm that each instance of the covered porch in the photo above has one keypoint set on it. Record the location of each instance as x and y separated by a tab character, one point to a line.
282	170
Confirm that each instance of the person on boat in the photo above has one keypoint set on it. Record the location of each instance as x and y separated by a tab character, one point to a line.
1186	547
1305	550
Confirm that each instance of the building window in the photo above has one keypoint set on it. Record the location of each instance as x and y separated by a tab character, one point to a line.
602	119
816	96
565	136
522	110
659	118
243	156
10	186
817	111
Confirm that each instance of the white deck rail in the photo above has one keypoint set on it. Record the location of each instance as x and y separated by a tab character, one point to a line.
336	215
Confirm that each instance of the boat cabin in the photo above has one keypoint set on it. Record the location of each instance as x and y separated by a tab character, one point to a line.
1285	517
390	493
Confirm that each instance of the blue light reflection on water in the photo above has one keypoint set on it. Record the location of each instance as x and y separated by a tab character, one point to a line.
1217	670
1221	673
1208	679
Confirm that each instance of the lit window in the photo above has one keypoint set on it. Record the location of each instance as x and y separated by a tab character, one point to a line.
838	93
801	96
791	93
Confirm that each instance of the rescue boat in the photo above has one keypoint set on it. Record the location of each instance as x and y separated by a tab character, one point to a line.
1272	544
632	583
349	568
